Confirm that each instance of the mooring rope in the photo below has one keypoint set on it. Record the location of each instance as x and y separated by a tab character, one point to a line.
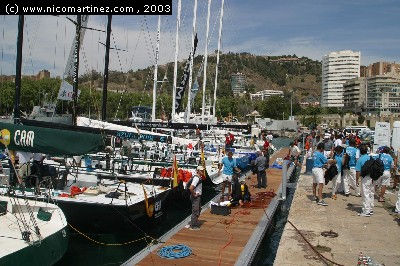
175	251
322	257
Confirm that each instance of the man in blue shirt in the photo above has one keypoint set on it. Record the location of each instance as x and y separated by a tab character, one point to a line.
384	180
318	173
367	186
229	165
337	180
349	178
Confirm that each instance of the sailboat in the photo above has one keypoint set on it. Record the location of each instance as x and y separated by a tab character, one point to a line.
32	232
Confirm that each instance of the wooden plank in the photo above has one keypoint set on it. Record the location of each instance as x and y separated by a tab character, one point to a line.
221	238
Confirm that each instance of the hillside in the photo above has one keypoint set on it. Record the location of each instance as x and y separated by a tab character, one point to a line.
273	72
287	73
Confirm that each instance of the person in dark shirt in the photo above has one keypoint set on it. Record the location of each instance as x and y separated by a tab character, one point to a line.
240	192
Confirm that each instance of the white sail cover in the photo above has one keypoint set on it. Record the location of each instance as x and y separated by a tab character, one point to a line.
87	122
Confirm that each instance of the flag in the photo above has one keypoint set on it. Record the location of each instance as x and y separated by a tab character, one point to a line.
149	207
175	172
66	92
203	160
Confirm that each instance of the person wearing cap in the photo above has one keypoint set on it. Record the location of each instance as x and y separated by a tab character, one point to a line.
196	188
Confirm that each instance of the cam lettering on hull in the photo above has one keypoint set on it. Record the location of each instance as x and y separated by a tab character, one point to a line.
24	138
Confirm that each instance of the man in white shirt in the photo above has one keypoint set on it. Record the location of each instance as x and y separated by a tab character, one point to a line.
23	159
338	141
196	188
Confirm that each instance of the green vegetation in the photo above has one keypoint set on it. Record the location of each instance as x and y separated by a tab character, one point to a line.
300	75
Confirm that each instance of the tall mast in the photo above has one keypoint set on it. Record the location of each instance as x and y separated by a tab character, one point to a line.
17	96
192	61
76	67
178	25
218	49
106	61
205	62
153	110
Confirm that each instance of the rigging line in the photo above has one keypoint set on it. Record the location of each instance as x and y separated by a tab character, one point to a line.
150	55
148	33
136	46
33	220
126	77
55	47
28	228
32	42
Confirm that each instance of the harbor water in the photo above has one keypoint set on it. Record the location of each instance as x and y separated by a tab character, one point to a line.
85	251
269	246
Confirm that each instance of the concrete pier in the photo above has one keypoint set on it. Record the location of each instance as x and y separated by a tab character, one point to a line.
377	236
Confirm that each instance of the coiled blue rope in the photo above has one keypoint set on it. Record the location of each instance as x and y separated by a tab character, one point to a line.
175	252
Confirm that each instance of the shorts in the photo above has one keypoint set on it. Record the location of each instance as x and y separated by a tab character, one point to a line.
384	180
318	176
227	177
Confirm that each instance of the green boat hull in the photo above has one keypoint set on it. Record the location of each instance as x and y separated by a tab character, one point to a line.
48	252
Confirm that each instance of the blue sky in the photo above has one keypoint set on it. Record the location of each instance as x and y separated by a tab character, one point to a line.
307	28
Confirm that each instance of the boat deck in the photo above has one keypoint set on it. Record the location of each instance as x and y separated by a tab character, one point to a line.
376	236
221	239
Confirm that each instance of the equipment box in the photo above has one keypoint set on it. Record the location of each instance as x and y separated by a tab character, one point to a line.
220	210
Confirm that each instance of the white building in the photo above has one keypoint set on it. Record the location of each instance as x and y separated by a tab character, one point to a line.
261	95
238	83
337	67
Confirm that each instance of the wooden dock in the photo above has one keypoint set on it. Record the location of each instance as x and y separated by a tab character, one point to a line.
221	239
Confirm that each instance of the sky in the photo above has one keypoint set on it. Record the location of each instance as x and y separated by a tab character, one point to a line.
309	28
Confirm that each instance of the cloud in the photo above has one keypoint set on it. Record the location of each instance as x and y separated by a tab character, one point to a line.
48	40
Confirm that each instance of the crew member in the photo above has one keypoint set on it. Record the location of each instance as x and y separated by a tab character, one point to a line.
229	165
196	188
384	180
350	178
367	187
261	166
318	173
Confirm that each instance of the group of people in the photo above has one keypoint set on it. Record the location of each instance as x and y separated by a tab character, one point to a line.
351	158
26	164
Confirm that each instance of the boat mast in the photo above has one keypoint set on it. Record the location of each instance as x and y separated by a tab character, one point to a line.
192	61
106	61
218	50
17	96
178	25
153	110
205	62
76	67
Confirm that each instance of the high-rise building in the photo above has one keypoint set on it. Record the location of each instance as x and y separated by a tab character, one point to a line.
337	68
383	94
354	94
383	68
238	83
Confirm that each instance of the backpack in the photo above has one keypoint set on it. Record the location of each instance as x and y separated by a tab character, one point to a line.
186	191
330	173
346	160
373	167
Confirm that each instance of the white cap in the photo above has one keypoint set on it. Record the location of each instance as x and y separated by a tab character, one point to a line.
200	168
